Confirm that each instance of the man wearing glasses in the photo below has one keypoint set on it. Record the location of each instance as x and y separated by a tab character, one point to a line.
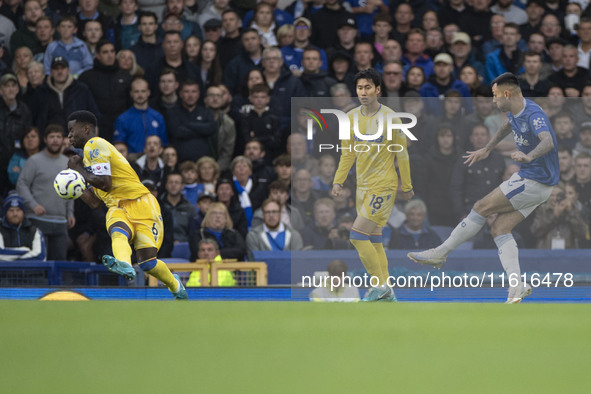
392	82
292	54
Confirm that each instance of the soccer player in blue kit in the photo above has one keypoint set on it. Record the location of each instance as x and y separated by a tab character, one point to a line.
515	198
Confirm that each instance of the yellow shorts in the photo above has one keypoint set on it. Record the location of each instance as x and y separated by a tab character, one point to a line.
375	206
143	217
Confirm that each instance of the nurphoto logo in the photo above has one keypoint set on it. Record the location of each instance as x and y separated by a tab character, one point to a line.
392	122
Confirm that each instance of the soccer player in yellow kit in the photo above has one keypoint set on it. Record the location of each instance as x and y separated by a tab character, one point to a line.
377	180
134	213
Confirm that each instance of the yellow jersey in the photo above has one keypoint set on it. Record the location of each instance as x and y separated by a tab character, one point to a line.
375	166
101	158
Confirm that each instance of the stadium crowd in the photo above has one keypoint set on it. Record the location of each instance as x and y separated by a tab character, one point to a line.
196	95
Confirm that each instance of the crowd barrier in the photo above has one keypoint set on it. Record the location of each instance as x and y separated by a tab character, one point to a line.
285	268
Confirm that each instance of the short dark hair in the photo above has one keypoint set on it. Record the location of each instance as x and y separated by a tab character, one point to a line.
249	30
278	185
102	43
85	117
260	88
53	128
189	82
256	140
311	48
532	54
512	25
146	14
283	160
172	33
168	70
45	18
382	17
228	11
371	75
483	91
68	18
505	79
564	148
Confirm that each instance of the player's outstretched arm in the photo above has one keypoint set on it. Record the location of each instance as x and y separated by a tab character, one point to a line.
102	182
481	154
546	144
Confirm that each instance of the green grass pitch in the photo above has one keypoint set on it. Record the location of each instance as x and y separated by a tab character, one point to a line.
292	347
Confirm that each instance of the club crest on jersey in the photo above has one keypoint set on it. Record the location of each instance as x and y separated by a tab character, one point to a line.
539	123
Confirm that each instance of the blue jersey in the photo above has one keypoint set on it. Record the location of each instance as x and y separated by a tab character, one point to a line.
527	125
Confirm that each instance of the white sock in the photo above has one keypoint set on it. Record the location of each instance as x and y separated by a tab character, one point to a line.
509	255
465	230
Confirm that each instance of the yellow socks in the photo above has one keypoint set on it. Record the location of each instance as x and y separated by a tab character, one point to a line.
120	244
382	259
367	254
160	271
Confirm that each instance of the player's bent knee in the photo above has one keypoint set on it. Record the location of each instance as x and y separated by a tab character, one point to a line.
120	227
356	235
480	207
148	264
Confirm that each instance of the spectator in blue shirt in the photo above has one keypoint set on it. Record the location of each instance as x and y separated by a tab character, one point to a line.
69	47
140	121
415	52
292	54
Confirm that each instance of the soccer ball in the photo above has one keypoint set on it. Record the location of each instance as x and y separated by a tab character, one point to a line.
69	184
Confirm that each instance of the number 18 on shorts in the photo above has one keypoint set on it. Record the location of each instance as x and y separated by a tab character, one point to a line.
375	206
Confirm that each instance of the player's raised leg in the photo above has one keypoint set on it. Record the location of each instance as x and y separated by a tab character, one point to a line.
121	233
494	202
158	269
509	254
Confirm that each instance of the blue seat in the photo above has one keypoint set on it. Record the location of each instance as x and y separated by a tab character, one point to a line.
181	251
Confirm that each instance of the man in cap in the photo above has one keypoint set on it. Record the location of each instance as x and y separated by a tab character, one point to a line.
61	95
213	30
346	38
292	54
15	119
461	50
440	82
19	239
